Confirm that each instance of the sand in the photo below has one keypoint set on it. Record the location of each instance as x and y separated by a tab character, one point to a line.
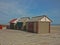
17	37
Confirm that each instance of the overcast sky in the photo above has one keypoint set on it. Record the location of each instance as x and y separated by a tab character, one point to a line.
10	9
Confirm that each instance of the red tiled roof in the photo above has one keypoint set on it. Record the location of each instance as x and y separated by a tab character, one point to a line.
13	20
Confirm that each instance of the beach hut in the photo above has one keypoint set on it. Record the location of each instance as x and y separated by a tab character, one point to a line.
13	23
1	27
39	24
21	24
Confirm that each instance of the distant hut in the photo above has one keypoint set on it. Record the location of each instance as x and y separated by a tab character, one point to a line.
1	27
39	24
13	23
21	24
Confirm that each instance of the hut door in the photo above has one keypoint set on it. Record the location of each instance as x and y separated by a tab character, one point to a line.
31	27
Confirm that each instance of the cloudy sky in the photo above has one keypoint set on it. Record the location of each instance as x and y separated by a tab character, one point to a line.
10	9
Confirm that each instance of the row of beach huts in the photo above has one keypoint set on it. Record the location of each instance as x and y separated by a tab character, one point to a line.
38	24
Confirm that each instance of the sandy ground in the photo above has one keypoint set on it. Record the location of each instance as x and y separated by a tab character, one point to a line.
16	37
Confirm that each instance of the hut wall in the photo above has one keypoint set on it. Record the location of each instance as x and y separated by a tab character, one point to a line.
26	26
30	27
11	25
49	27
36	27
43	27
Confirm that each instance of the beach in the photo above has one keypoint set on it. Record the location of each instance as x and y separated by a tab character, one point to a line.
18	37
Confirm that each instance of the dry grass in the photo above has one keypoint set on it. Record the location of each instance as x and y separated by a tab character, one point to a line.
16	37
